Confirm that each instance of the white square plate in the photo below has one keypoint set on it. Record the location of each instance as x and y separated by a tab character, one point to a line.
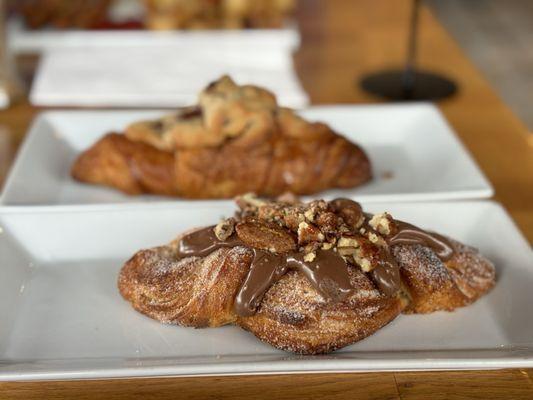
62	316
415	156
29	41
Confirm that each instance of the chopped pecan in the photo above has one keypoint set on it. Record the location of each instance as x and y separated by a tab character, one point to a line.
293	218
348	241
249	200
225	229
381	223
346	251
376	239
310	248
309	233
327	221
368	254
364	263
329	244
309	257
310	215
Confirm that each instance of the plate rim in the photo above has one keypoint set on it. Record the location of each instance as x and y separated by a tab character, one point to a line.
511	356
312	366
485	190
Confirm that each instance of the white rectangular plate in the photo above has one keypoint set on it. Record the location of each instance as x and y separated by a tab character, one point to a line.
24	41
129	77
414	153
62	316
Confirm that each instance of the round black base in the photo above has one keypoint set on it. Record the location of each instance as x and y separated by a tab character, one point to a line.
396	85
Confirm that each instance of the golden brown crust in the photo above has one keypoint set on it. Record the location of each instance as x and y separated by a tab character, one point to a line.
191	292
435	285
271	168
132	167
236	141
72	14
135	167
294	317
209	14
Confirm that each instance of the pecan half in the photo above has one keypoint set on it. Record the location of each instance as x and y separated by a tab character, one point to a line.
350	211
308	233
265	236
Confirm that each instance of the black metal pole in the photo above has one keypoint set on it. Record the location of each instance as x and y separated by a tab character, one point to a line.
407	83
409	75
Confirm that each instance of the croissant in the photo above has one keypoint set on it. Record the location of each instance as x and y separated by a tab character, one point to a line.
237	140
307	278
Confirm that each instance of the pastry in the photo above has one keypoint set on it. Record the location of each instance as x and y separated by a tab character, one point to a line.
236	140
217	14
306	278
61	14
152	14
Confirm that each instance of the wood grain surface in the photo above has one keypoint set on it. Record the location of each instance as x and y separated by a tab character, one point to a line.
341	41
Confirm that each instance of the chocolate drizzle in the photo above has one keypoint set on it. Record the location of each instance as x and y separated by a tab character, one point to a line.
202	242
327	271
410	234
387	273
266	268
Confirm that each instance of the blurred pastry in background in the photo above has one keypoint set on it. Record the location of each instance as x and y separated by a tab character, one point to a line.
235	140
152	14
216	14
60	14
181	14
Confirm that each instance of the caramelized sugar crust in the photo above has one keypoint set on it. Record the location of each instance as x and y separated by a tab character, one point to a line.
436	285
199	292
294	317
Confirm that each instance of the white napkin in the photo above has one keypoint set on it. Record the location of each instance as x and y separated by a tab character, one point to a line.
166	72
4	98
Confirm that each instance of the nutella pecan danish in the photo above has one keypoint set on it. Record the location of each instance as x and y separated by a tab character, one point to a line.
304	277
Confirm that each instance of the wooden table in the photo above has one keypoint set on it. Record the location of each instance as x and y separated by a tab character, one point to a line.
342	40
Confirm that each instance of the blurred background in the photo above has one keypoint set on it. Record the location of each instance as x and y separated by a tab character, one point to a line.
161	53
472	58
79	37
65	42
71	46
497	36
